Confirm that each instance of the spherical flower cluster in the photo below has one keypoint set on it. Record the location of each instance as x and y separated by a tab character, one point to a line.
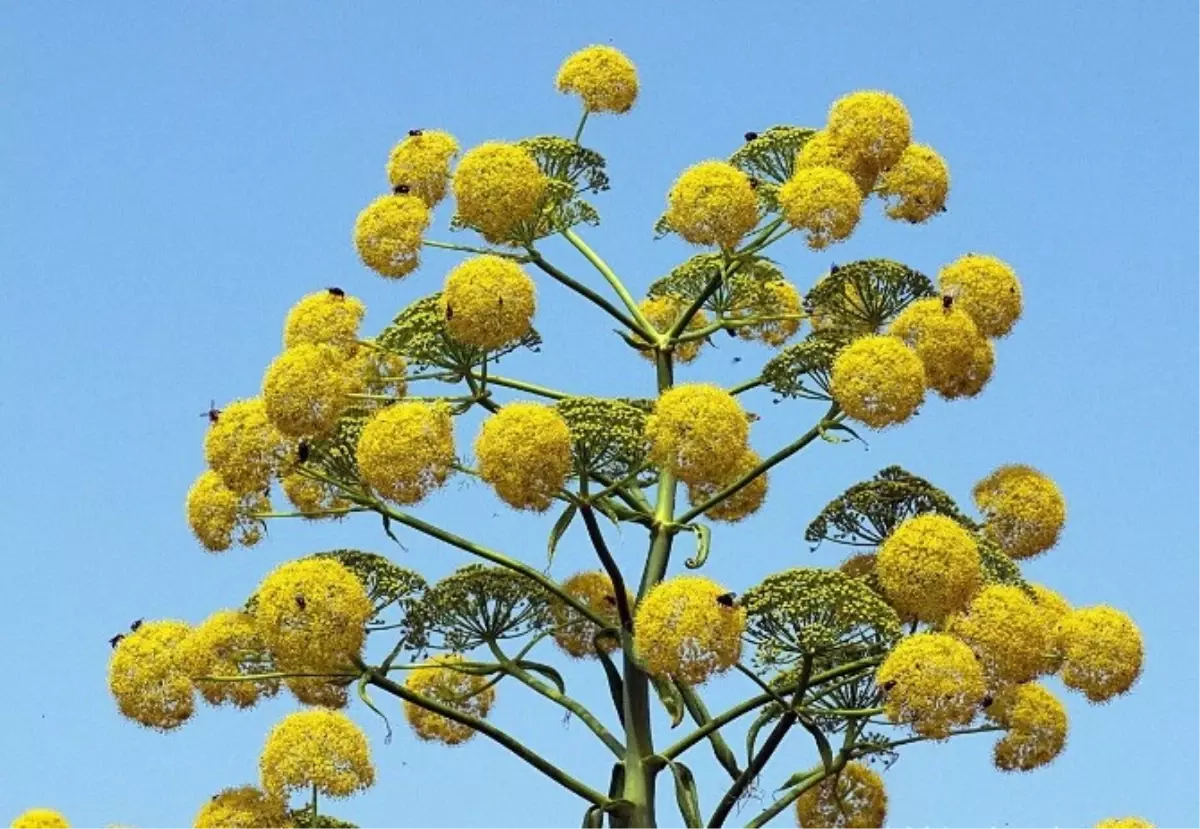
40	819
987	289
872	125
318	691
778	298
324	318
310	495
602	76
933	682
878	380
227	643
318	749
305	389
688	628
147	678
915	188
243	807
498	187
488	301
957	358
824	201
383	372
243	446
216	514
1008	632
573	632
466	693
712	203
664	311
745	502
421	162
311	614
406	450
1102	652
1036	722
524	452
855	796
1131	822
821	150
1053	608
698	432
928	567
1023	509
388	234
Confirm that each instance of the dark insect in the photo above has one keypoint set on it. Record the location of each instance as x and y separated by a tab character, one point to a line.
337	292
500	301
727	599
942	209
401	189
750	136
302	451
267	491
949	295
753	183
610	600
137	623
301	603
834	268
737	359
415	133
449	313
889	685
213	414
987	701
116	639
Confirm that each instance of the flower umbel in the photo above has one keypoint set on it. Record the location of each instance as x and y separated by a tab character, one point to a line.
524	452
421	162
318	749
389	232
878	380
685	630
603	77
712	203
147	678
933	682
928	567
488	302
406	450
855	796
465	692
698	432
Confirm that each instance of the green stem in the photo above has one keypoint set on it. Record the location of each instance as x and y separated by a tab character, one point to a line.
521	385
875	749
583	290
323	513
582	123
620	592
600	265
816	776
314	804
746	385
699	713
431	243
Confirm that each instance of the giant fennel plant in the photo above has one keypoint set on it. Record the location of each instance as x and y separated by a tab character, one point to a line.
928	631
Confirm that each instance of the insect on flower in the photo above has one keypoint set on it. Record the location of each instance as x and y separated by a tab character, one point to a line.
137	623
401	189
213	414
302	451
727	599
116	639
336	292
750	136
948	297
415	133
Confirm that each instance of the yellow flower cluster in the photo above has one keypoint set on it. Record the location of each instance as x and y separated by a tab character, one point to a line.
933	682
227	643
1131	822
821	150
488	302
688	628
712	203
311	495
148	679
215	514
662	312
915	189
314	690
306	389
467	693
318	749
40	819
871	125
574	633
602	76
1102	652
524	452
745	502
878	380
311	614
498	187
324	318
1009	632
928	567
406	450
986	289
421	162
855	796
777	298
824	201
1036	722
243	446
957	358
1053	608
698	432
1024	510
388	234
243	807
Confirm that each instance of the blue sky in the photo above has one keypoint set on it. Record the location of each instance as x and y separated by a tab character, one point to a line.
175	176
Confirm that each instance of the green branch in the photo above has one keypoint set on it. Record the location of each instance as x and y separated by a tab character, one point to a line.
699	714
431	243
583	290
813	778
643	324
521	385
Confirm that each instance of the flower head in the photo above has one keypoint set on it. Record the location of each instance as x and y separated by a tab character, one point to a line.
663	311
243	446
915	188
574	633
488	302
685	630
957	358
148	679
1036	723
406	450
987	289
311	495
39	819
421	162
323	318
319	749
318	691
872	125
712	203
822	151
469	694
1008	631
243	807
698	432
878	380
928	567
933	682
776	298
1102	652
745	502
524	452
602	76
853	797
824	201
305	389
219	517
498	187
1131	822
228	643
1024	510
1052	608
388	234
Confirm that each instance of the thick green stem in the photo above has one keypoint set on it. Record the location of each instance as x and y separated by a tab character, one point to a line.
746	385
521	385
640	771
699	713
612	279
583	290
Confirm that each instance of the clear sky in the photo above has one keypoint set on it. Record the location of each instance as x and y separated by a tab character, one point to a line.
176	175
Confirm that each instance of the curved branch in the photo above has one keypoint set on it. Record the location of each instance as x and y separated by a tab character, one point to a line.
814	777
620	592
583	290
612	279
